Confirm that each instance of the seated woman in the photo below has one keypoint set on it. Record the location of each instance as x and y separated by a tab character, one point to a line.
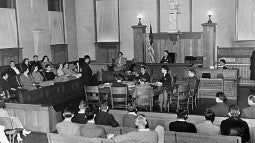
38	78
120	63
49	75
60	71
45	61
69	72
166	58
26	81
25	64
16	123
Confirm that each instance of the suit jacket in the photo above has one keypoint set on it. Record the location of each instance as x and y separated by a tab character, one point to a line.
86	74
68	128
193	80
208	128
166	80
167	59
220	109
11	72
146	75
24	66
104	118
248	112
79	118
6	85
182	126
49	75
129	120
138	137
235	123
91	130
27	82
36	63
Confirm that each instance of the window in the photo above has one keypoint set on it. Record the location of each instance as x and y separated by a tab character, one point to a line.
55	5
7	3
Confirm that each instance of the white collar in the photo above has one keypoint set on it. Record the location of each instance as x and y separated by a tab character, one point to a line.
181	120
132	113
81	111
91	121
144	129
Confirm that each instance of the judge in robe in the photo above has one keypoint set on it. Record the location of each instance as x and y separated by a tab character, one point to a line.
120	63
166	58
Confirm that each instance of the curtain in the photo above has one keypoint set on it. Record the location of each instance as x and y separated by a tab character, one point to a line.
38	40
8	28
56	27
246	20
107	20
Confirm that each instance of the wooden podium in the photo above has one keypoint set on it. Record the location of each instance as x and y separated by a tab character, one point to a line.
139	32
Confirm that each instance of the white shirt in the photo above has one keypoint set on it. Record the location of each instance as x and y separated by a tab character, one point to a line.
3	138
16	70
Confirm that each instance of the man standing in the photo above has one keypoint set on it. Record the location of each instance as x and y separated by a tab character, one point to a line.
86	71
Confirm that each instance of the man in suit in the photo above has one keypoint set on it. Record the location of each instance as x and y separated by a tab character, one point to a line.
13	71
181	125
221	108
35	62
130	117
86	71
90	129
80	117
249	112
193	79
234	125
144	74
143	135
104	118
67	127
208	127
166	57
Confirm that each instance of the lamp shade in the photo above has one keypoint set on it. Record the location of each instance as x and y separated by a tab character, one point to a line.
139	16
209	13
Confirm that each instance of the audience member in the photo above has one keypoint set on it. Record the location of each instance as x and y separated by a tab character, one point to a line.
45	61
67	127
166	57
35	62
91	130
233	124
86	71
79	117
25	64
26	81
208	127
223	64
12	71
6	85
193	79
104	118
120	62
48	74
221	108
181	125
60	71
70	72
166	82
143	135
130	117
249	112
144	74
38	78
16	123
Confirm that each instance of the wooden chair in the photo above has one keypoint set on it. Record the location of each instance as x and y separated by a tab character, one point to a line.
92	94
9	130
180	99
119	97
144	97
193	94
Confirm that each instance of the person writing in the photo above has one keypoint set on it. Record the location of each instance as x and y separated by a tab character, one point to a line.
166	57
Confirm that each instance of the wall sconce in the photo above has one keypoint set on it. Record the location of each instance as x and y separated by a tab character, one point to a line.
209	13
139	16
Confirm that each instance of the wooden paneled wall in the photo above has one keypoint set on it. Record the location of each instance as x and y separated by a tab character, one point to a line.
10	54
59	53
184	44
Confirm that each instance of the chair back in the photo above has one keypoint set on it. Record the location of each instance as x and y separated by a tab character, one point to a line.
143	95
119	96
183	92
92	93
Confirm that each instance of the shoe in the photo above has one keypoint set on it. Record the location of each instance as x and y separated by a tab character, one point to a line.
25	132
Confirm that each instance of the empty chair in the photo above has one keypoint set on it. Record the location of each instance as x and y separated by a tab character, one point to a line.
92	94
144	97
119	97
193	94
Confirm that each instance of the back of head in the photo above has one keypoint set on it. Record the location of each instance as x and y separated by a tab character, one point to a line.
132	108
221	96
119	77
104	106
209	115
182	113
68	113
89	113
86	57
141	121
83	104
3	73
234	111
251	100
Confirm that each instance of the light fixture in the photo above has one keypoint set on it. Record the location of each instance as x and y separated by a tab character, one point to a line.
209	13
139	16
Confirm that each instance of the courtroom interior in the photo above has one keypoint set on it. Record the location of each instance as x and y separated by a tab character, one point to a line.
138	71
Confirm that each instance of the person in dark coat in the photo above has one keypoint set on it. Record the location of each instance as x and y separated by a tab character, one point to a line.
86	71
25	65
166	58
144	74
221	108
252	66
104	118
80	116
36	62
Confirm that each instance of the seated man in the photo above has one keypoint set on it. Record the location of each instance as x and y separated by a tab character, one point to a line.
12	71
80	117
143	135
67	127
6	85
129	118
91	130
181	125
223	64
193	79
49	75
104	118
249	112
221	108
208	127
144	74
234	123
